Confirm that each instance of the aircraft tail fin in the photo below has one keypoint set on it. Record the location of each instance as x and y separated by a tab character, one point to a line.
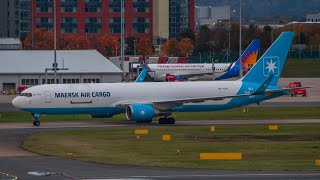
143	74
249	57
271	62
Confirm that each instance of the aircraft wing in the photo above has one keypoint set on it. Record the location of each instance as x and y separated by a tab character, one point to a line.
176	102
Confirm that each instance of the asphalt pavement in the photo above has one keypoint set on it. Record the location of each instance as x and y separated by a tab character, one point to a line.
18	162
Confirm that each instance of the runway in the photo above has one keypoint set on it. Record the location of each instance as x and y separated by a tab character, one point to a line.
18	162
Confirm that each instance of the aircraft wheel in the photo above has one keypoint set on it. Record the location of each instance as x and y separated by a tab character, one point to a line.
167	121
171	121
36	123
162	121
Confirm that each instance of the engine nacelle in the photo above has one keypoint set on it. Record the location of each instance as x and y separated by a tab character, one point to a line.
107	115
140	112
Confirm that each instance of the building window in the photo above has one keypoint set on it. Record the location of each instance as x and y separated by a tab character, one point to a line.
71	81
141	5
114	5
93	25
69	25
44	5
44	22
49	81
30	82
91	80
141	25
92	5
115	25
68	6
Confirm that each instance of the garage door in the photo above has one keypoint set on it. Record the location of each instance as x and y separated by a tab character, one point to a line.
9	86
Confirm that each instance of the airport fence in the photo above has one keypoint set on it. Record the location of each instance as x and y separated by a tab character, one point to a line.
225	58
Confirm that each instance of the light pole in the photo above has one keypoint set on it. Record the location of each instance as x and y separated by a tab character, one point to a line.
55	65
122	36
116	49
134	47
32	29
240	45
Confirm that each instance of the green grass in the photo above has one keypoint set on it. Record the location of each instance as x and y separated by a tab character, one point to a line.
293	147
302	68
254	113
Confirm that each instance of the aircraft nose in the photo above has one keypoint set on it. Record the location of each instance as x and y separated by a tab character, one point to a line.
16	102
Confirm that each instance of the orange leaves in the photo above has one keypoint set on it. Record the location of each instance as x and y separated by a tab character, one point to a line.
175	48
144	47
107	45
171	47
43	39
186	47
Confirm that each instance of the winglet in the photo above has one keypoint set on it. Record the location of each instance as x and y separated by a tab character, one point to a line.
143	74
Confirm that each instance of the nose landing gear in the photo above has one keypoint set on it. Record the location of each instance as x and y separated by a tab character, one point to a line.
36	121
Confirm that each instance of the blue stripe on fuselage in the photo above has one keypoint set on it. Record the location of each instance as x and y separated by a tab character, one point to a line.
84	110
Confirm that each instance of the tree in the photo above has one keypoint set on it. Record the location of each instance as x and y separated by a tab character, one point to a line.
106	45
267	30
43	40
144	47
187	33
171	47
203	40
185	47
130	47
73	41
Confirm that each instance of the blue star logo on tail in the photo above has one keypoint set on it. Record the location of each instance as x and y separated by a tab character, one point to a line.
271	66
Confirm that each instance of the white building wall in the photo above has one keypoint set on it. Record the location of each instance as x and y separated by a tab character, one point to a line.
313	17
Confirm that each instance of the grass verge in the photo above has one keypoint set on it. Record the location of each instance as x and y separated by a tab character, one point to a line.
254	113
301	68
292	147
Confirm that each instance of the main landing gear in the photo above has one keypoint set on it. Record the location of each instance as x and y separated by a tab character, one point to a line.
167	120
36	121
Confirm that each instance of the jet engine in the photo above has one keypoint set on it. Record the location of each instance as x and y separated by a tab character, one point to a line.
140	112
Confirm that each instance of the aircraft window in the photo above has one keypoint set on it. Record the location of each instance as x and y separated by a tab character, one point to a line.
26	94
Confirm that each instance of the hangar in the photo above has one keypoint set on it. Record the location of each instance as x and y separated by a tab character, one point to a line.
25	68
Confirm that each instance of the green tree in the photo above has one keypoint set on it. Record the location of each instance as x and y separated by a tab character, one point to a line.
203	40
187	33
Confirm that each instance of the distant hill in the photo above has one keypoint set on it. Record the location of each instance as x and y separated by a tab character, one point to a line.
269	10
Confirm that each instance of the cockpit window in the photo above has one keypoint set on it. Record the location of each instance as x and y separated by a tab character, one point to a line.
26	94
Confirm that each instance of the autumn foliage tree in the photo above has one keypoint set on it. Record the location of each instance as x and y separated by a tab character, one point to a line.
185	47
175	48
106	45
42	39
145	47
73	41
171	47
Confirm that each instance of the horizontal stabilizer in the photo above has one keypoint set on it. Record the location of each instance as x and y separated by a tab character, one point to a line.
263	86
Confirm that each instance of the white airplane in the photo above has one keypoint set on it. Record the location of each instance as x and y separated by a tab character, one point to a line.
143	101
204	71
188	71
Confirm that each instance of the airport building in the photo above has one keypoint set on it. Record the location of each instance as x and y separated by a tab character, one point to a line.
10	44
313	17
211	16
143	18
27	68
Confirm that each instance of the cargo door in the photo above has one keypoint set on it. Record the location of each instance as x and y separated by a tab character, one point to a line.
47	97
